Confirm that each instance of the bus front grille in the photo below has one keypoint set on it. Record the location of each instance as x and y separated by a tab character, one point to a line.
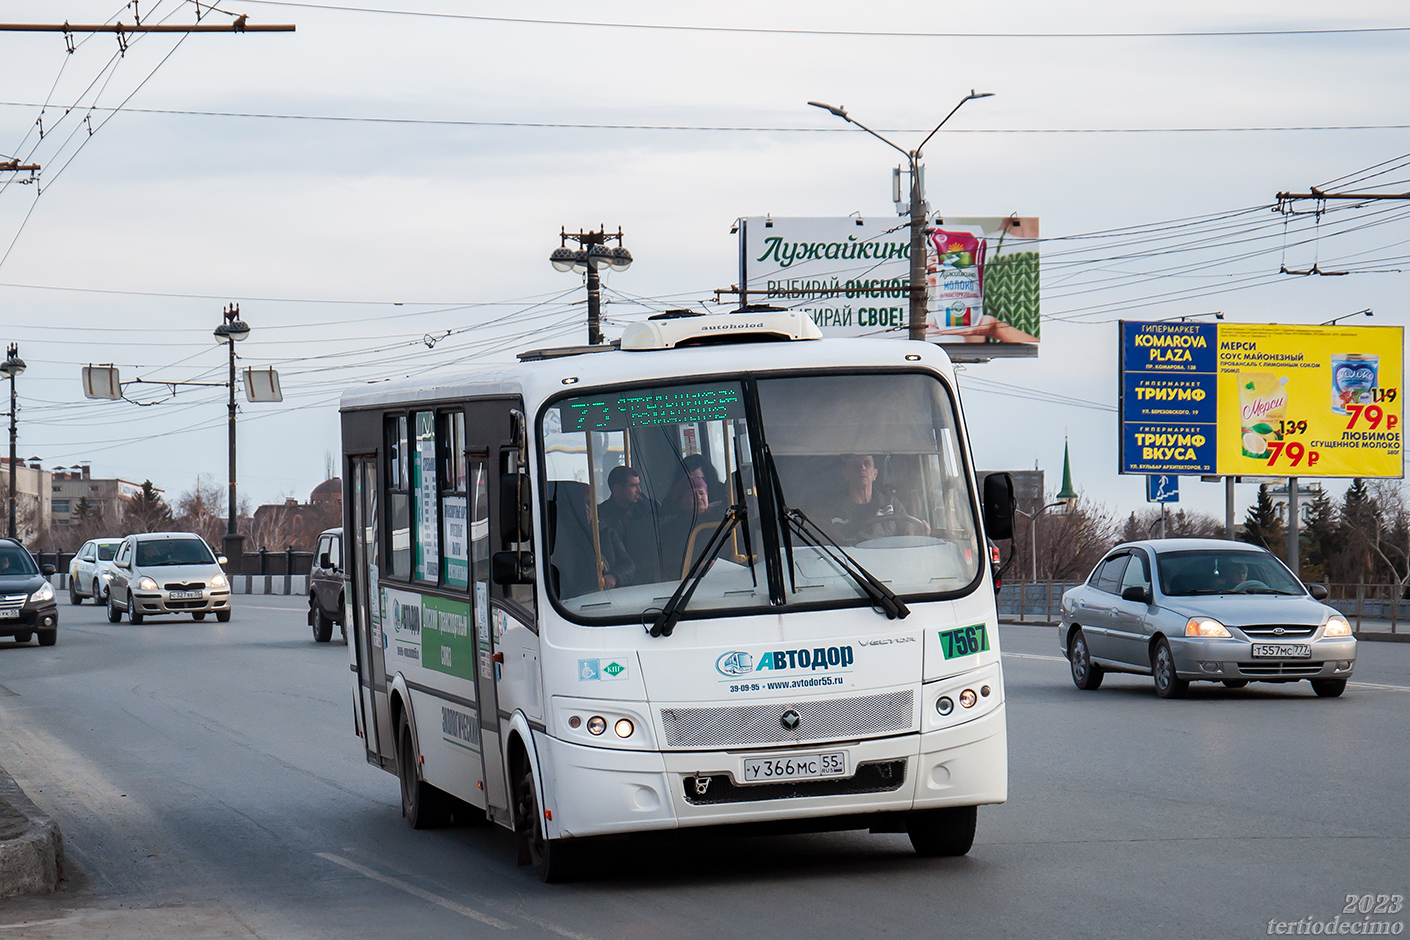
875	777
816	720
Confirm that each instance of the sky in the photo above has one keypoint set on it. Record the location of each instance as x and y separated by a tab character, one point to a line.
412	235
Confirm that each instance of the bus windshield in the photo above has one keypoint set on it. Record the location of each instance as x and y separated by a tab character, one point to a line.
638	480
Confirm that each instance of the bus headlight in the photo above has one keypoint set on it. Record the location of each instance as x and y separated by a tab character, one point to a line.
944	705
596	725
624	727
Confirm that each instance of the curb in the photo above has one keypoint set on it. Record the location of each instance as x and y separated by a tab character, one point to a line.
1383	637
31	847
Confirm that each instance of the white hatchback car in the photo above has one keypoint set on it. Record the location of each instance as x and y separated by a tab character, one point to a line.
158	574
91	570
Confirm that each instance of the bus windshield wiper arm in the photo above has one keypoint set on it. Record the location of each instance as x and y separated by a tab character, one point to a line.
670	615
887	599
807	530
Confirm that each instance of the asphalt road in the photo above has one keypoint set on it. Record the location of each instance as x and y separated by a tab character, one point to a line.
208	784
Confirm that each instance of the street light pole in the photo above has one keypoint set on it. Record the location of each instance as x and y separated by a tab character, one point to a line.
918	293
231	331
591	255
1033	529
12	366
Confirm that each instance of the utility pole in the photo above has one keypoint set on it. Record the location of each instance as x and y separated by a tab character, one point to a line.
919	294
13	366
592	253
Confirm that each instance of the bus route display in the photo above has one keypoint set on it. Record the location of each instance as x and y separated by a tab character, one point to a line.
648	407
1261	399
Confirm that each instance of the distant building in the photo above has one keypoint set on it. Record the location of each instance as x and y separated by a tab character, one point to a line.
33	503
74	490
277	526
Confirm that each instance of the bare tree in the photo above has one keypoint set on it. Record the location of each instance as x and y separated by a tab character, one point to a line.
199	510
1069	543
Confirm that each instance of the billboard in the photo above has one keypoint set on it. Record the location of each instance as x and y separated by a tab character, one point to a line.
1261	399
852	276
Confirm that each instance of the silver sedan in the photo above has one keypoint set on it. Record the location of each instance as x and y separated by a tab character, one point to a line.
1183	610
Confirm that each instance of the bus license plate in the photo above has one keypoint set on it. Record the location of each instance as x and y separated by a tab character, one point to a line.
185	595
1282	651
795	767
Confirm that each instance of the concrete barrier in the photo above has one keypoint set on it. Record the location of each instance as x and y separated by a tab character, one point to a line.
289	585
31	848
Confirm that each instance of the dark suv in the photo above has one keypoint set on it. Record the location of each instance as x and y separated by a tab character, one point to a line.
325	586
27	604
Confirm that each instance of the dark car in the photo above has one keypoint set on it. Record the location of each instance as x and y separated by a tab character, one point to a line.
325	586
27	604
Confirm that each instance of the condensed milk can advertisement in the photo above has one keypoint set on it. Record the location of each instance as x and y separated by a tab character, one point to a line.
1261	399
852	275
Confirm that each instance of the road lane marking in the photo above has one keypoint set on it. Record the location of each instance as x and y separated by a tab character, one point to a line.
1374	686
1046	659
1379	687
417	892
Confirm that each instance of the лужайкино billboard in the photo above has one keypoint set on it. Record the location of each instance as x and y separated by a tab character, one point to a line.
852	275
1261	399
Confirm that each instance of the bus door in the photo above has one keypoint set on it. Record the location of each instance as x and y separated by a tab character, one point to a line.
488	666
367	627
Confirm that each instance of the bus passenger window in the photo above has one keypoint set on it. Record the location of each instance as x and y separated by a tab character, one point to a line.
398	498
455	534
426	543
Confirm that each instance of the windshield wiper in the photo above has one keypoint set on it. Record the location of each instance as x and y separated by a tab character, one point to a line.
670	615
794	519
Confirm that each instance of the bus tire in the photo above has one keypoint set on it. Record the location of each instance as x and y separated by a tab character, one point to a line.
422	804
943	833
554	860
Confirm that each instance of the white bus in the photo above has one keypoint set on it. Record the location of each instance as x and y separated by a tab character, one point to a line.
728	572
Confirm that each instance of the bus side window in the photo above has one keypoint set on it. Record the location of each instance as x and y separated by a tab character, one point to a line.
521	594
455	537
398	499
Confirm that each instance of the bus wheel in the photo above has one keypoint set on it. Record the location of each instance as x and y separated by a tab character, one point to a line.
421	803
940	833
552	858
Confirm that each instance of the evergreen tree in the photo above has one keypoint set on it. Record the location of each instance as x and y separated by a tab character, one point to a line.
1262	525
147	512
1360	524
1320	541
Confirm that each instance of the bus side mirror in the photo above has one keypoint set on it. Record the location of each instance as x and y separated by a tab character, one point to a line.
515	514
508	568
1319	592
998	506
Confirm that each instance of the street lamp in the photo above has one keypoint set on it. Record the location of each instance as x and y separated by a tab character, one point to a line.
918	292
591	255
230	332
12	366
1033	529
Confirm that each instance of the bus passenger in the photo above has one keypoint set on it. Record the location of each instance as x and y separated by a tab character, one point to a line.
687	506
630	551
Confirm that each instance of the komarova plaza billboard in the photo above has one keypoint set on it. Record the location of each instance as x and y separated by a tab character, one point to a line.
852	275
1261	399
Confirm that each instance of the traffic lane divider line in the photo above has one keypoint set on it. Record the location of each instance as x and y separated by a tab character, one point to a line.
1375	686
411	889
1046	659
